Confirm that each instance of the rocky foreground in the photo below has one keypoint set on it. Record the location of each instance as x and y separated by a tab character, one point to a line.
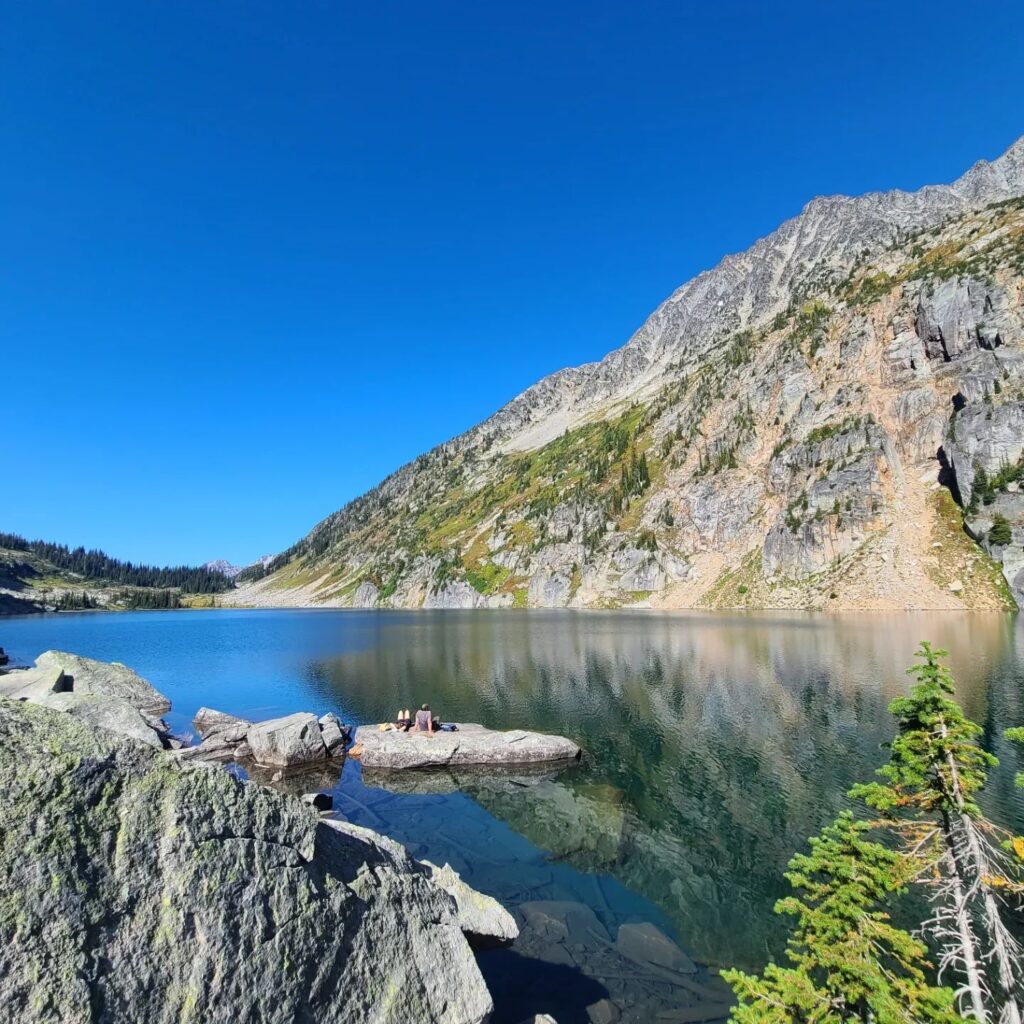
144	883
139	886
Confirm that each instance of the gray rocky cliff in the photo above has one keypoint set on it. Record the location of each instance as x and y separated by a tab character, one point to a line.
705	462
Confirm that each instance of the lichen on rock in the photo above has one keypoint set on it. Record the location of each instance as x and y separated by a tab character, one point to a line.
139	889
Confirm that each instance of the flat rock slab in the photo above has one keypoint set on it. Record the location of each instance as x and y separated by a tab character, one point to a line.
33	684
106	679
471	744
117	716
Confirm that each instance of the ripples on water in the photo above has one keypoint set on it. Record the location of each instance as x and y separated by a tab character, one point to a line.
715	744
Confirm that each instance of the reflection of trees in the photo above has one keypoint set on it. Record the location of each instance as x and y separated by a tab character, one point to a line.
715	745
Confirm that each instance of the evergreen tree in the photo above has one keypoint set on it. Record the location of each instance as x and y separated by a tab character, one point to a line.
849	962
95	565
1000	534
1016	843
932	779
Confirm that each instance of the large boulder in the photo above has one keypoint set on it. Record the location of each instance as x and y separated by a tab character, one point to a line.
108	697
293	739
483	920
107	679
209	720
139	889
335	734
116	716
471	744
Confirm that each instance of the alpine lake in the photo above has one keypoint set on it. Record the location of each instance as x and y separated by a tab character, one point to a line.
715	744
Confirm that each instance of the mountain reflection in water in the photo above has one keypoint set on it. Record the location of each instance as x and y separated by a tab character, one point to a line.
714	744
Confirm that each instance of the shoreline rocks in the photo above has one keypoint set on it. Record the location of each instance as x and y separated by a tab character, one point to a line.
117	857
290	741
107	695
472	744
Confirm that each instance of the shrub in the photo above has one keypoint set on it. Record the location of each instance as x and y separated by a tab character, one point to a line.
1000	534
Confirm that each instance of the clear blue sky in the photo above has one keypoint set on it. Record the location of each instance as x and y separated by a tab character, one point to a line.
257	255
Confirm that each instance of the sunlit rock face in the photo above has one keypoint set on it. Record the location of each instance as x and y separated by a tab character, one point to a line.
789	429
139	889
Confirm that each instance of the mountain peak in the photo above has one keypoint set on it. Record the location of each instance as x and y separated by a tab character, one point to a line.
781	427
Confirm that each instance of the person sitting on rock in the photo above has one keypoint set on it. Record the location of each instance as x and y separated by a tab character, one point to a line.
425	721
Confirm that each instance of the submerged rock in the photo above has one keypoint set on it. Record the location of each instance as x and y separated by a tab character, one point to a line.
645	943
137	888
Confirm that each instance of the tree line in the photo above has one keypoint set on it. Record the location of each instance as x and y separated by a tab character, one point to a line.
848	961
95	564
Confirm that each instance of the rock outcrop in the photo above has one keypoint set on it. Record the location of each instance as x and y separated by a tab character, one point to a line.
138	888
786	430
106	695
294	740
483	920
471	745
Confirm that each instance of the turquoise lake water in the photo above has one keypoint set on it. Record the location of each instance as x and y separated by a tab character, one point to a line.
715	744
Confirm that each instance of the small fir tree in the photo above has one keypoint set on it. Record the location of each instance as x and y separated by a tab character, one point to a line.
934	774
849	962
1000	534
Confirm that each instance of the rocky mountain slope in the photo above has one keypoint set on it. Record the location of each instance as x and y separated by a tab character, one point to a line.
806	425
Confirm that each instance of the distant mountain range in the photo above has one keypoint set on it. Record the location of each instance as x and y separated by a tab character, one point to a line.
38	575
224	567
806	425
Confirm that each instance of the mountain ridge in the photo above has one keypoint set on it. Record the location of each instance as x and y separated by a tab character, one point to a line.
809	256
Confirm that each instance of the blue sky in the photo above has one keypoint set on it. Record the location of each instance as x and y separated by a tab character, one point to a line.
257	255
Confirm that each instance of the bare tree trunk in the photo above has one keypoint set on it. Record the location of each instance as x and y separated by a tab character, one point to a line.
973	874
999	938
964	936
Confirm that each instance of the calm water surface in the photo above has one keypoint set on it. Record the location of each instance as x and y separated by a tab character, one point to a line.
715	744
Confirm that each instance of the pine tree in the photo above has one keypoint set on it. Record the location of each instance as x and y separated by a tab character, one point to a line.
934	773
849	962
1016	843
1001	533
